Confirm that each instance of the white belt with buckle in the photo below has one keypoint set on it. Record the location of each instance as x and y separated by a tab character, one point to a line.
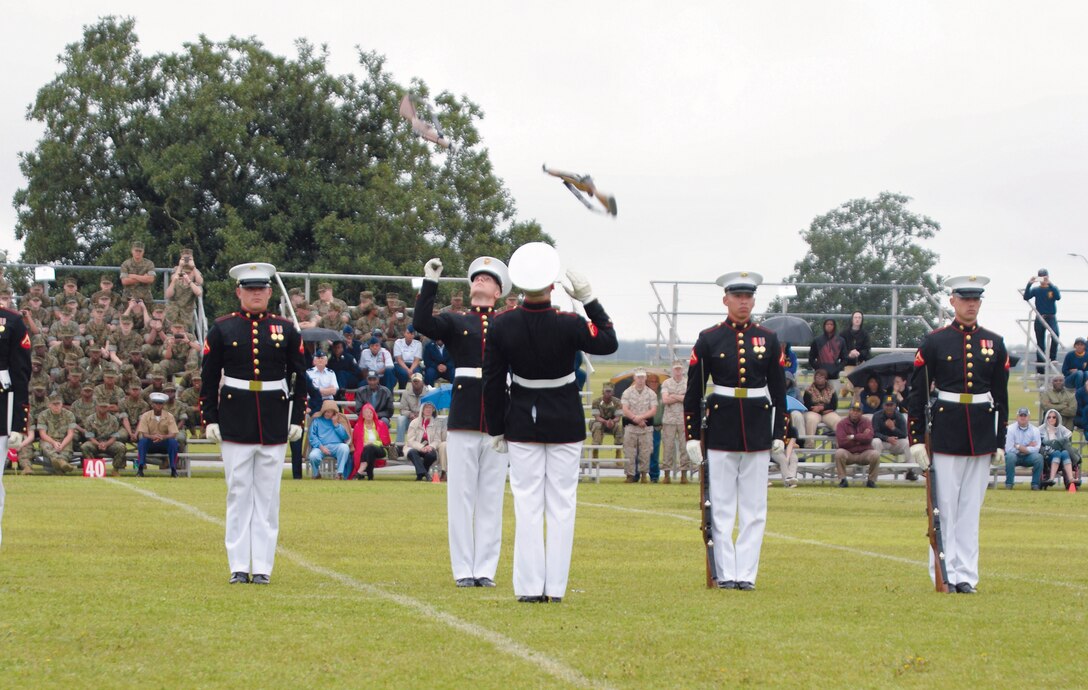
543	383
468	372
965	398
245	385
730	392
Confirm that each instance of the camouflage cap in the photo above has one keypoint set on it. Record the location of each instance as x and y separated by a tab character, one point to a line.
185	251
70	280
367	294
608	388
126	318
391	297
105	278
88	386
102	402
37	360
321	287
170	386
56	398
157	372
38	385
137	244
38	339
109	369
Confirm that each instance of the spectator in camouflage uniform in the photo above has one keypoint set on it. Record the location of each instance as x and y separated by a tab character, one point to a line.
141	369
70	290
137	275
38	402
369	320
103	432
639	403
178	351
457	304
186	285
108	390
98	329
63	329
70	389
105	288
673	438
155	334
607	418
190	397
326	301
92	366
56	428
83	408
127	338
158	380
366	301
132	407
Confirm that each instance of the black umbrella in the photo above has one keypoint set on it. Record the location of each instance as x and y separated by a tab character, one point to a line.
317	335
884	367
789	329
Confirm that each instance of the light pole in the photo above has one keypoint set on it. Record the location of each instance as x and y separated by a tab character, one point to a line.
1081	256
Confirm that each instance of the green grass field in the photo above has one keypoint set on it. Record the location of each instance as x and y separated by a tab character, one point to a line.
103	586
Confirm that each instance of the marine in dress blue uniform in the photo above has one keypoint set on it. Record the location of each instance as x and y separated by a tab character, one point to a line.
14	388
539	416
746	420
251	359
968	366
476	473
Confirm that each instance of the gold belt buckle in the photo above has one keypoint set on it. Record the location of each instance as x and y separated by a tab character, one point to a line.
740	392
966	398
256	386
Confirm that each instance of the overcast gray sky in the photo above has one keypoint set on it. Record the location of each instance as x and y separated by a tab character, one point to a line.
722	128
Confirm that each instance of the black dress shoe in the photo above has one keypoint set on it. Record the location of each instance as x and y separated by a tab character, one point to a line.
843	484
727	584
239	578
746	586
965	588
554	600
485	582
870	484
531	600
911	476
261	579
466	582
139	471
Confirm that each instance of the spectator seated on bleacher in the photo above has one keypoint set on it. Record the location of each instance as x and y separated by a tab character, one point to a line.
329	435
857	445
891	430
103	437
821	401
438	362
426	441
1060	398
1075	365
352	345
344	366
871	397
1022	449
369	438
377	359
1081	421
56	429
607	418
410	405
786	459
157	432
1057	449
377	396
407	356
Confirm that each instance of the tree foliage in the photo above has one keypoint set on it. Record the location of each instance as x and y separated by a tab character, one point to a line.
868	241
243	155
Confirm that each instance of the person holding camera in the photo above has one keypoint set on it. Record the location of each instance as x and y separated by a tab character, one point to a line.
137	275
186	285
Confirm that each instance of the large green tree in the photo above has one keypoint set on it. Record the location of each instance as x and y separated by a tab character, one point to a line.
244	155
876	241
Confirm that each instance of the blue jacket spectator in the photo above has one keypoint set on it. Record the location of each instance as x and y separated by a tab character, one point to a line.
329	436
438	362
1075	365
345	366
1082	408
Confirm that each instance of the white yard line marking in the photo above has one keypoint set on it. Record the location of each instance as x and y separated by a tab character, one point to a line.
840	547
504	644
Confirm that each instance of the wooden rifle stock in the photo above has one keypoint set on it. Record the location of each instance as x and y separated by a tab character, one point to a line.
933	513
707	522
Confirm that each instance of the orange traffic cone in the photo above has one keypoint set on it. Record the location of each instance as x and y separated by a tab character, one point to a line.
434	478
1072	488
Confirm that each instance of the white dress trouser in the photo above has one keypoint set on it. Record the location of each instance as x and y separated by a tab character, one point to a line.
961	486
738	489
4	457
544	481
253	476
475	483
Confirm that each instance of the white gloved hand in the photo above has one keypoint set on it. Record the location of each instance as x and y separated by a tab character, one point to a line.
777	446
294	433
919	455
579	288
498	444
211	432
15	439
695	452
432	270
999	457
